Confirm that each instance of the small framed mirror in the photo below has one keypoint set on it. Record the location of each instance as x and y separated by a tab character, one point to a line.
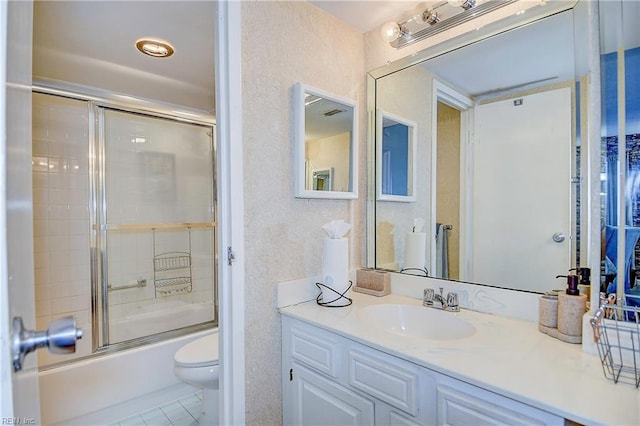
325	145
396	158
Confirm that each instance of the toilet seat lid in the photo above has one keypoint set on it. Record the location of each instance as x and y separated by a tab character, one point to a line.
202	352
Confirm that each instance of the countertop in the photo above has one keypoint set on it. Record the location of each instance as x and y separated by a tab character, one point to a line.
507	356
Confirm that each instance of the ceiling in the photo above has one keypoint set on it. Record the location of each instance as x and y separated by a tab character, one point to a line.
92	43
366	15
537	54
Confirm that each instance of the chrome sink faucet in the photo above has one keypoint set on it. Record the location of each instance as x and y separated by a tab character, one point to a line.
433	300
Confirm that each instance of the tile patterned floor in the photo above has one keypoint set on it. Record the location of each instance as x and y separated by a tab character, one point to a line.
183	412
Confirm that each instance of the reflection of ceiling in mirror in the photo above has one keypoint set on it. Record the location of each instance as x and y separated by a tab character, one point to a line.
494	65
614	17
325	118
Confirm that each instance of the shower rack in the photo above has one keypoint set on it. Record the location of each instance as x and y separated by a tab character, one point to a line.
172	273
172	270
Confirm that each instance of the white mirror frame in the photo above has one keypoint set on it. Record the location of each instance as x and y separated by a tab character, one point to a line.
411	161
299	91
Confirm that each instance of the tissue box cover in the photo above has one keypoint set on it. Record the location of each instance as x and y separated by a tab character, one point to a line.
373	282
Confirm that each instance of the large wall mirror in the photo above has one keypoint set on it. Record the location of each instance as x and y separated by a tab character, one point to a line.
325	144
499	124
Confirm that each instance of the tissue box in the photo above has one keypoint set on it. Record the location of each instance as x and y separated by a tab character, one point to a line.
373	282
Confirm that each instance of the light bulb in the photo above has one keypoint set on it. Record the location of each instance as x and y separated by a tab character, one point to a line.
390	31
418	11
465	4
430	17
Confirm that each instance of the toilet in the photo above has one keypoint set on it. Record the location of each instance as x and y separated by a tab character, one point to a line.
196	363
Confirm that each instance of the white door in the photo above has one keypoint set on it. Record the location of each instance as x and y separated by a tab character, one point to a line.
20	396
519	205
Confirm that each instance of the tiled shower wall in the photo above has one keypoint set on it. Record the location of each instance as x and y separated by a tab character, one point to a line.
142	191
61	216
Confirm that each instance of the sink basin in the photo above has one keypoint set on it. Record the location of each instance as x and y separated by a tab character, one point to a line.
416	321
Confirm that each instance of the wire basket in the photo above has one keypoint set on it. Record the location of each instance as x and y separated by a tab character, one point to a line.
616	331
171	261
172	273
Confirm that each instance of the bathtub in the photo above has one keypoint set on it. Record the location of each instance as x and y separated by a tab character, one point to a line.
97	384
167	316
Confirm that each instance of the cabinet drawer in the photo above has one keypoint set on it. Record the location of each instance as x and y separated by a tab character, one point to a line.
385	380
463	404
315	349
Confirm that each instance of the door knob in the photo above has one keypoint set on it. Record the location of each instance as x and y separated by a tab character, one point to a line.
558	237
60	338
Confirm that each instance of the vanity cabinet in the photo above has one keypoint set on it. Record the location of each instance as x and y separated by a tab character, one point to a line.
329	379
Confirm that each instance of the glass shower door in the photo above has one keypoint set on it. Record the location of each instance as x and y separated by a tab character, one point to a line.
155	223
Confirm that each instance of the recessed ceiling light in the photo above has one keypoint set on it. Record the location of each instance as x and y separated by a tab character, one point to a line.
154	47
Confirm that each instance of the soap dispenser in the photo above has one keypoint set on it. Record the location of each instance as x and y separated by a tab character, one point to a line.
584	284
571	308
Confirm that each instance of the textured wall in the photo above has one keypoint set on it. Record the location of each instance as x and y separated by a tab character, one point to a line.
283	43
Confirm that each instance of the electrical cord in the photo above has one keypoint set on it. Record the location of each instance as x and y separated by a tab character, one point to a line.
329	304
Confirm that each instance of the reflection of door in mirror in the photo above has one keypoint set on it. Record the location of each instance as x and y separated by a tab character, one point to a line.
330	155
448	194
323	180
534	129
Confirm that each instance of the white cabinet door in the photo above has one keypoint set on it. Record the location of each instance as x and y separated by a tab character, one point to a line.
320	401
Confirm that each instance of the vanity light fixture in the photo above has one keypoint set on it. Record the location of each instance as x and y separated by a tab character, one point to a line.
429	16
402	34
154	47
465	4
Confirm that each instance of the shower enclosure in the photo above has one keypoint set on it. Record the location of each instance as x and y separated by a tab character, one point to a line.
124	222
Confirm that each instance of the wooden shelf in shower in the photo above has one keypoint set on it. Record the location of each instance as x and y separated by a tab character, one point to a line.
152	226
